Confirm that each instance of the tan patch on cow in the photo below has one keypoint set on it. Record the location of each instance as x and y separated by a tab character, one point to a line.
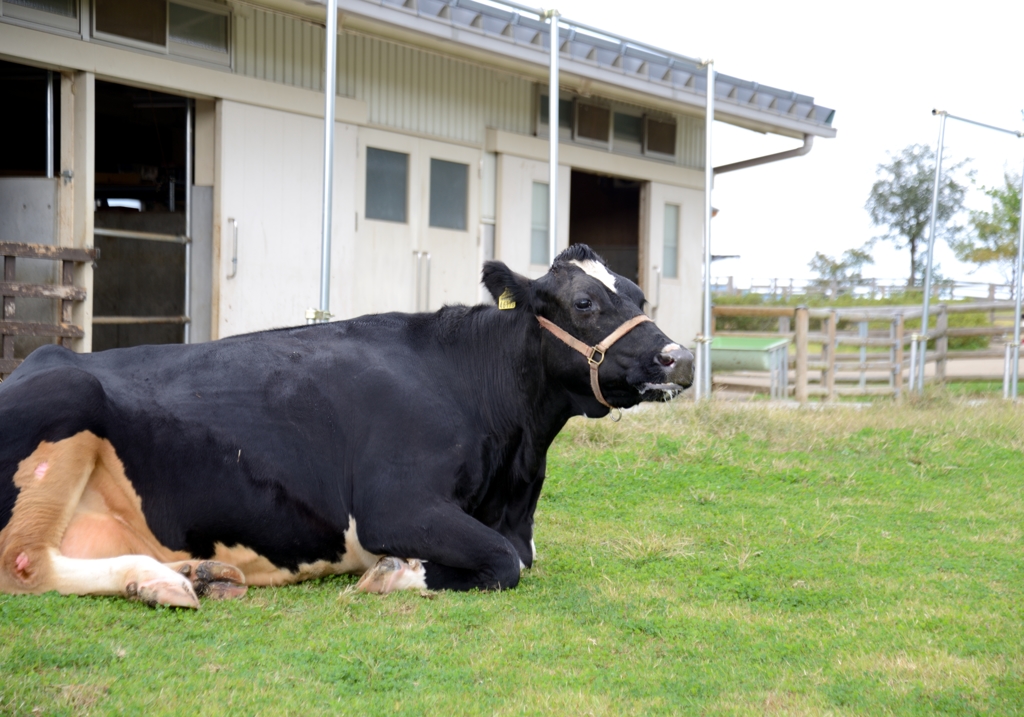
77	527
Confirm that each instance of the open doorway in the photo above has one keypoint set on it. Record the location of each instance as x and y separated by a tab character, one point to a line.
139	281
604	212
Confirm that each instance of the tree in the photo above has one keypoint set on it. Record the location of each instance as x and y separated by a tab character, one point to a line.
996	232
843	272
902	196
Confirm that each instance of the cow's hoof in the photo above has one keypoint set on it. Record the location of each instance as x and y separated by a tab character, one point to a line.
210	579
173	592
391	574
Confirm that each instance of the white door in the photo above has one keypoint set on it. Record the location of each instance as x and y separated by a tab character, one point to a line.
673	257
449	232
388	211
270	188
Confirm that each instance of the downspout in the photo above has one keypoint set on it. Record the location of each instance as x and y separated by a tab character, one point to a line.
768	158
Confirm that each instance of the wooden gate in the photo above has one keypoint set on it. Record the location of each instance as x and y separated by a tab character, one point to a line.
64	331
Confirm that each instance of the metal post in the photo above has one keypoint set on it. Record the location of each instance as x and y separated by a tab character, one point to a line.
922	351
330	89
188	222
553	85
1017	298
49	124
709	118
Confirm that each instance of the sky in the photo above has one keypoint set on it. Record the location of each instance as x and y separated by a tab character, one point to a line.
883	66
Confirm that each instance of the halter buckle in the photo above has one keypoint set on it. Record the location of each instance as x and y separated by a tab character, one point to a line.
594	352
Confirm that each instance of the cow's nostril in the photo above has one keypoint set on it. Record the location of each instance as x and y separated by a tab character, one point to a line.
666	360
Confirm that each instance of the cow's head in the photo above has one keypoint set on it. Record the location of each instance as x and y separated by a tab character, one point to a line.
586	303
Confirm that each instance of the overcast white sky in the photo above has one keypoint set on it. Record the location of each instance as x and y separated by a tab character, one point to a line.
883	66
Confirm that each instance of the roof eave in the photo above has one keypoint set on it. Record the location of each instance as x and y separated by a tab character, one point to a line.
412	28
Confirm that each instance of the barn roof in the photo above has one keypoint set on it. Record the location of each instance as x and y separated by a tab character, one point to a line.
519	35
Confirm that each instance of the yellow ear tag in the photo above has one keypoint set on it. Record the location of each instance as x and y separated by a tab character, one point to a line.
505	301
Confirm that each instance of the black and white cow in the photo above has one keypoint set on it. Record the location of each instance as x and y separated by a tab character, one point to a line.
406	447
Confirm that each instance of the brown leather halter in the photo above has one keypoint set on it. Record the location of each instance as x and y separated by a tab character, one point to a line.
594	354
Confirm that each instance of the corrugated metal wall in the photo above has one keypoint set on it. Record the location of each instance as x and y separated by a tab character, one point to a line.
418	91
690	141
404	88
278	48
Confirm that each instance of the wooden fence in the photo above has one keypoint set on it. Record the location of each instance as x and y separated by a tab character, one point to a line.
63	330
866	350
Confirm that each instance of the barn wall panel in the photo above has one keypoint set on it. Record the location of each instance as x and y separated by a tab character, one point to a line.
406	88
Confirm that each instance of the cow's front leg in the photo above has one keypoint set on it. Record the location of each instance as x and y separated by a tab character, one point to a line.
452	551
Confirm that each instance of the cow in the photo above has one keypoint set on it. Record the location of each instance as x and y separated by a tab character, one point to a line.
408	448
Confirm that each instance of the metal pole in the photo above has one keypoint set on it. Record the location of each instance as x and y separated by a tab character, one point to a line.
553	85
188	222
1016	296
330	85
931	250
709	177
49	124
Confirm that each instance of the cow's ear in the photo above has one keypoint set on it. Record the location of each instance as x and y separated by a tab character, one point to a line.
509	289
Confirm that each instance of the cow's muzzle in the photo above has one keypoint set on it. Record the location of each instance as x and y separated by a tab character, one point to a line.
677	364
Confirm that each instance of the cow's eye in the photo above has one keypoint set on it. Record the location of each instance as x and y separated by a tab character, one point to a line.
583	304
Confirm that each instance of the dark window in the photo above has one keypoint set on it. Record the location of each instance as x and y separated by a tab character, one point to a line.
661	137
64	8
449	194
564	112
387	175
592	122
199	28
628	128
141	20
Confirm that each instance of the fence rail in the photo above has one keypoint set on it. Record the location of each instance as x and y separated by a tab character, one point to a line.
870	369
65	293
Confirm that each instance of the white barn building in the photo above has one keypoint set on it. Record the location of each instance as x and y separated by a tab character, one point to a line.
440	156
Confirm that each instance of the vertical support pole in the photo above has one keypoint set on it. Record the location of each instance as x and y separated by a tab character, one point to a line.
553	86
84	195
698	369
914	338
830	381
1007	373
49	124
898	367
1017	298
802	327
189	140
941	343
330	90
709	176
931	251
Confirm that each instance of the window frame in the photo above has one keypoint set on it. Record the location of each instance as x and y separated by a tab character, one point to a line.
626	146
430	197
366	182
181	49
130	42
588	141
541	120
42	18
664	120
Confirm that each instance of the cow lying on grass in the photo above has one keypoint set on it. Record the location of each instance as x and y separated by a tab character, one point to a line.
406	447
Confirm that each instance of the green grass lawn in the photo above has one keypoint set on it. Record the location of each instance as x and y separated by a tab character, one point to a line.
722	560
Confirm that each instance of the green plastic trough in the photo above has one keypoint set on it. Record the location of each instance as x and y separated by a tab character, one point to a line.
741	353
